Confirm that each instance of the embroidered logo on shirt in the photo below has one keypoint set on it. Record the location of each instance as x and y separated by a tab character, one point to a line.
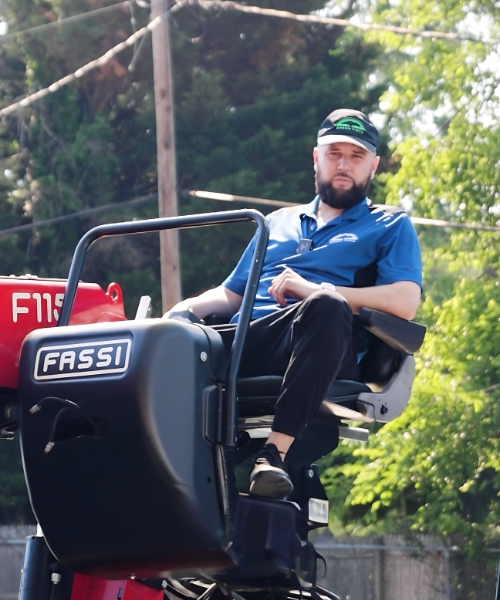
344	237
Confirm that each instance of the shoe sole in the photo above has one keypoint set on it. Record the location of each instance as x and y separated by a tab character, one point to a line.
269	484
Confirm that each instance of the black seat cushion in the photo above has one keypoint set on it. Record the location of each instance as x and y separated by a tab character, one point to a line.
257	387
257	395
384	340
269	386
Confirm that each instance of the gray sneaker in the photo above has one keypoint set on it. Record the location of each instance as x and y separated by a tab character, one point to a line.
268	478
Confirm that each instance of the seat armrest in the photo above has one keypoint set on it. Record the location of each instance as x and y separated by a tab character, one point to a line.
402	335
217	319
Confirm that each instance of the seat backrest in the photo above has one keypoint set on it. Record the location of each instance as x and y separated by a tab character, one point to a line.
379	363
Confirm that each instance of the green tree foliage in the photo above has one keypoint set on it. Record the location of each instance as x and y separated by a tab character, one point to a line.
250	94
436	469
85	145
257	92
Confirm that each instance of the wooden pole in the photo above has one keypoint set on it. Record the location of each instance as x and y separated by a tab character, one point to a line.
165	144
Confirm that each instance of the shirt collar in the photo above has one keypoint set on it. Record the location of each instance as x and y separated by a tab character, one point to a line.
351	214
356	212
310	209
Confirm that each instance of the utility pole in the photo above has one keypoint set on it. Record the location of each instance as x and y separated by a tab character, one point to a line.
165	144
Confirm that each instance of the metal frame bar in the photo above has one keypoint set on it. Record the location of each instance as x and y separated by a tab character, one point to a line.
186	222
497	592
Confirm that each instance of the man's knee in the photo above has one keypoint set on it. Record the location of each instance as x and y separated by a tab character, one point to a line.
327	305
324	317
323	329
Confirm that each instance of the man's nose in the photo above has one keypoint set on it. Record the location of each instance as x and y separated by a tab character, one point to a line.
342	163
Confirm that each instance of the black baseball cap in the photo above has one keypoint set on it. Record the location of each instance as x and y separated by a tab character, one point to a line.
351	126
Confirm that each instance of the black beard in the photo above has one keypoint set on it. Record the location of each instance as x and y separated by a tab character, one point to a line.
343	198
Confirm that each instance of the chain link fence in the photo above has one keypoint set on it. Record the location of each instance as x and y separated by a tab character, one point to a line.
389	569
12	545
354	568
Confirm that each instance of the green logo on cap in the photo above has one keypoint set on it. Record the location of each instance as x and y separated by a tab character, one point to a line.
350	124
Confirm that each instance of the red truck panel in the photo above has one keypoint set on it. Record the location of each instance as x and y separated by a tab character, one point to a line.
28	303
86	587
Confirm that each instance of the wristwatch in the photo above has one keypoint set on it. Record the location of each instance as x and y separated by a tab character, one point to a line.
328	286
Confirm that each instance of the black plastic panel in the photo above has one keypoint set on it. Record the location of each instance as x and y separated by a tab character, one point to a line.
137	496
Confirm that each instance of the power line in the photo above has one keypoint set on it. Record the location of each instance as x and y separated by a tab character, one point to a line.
72	19
270	12
416	220
261	11
218	197
233	198
93	64
454	224
105	58
78	215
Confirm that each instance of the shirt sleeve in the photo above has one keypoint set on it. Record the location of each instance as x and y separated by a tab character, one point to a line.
399	253
237	280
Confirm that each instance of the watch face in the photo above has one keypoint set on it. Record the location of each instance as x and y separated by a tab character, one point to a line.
328	286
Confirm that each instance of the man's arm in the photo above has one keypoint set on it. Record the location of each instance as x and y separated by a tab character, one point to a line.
218	301
400	299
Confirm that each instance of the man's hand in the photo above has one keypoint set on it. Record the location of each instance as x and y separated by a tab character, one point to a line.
400	298
186	315
289	283
220	300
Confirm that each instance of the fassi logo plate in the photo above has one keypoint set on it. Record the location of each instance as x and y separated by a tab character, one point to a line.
82	360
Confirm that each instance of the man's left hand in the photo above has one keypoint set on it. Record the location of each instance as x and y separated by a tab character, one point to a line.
291	284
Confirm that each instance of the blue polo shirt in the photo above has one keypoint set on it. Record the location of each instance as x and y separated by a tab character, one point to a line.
356	249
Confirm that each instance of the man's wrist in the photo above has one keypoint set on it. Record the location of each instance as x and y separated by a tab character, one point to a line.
179	307
186	315
325	285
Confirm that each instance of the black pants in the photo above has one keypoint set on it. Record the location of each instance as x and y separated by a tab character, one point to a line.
310	343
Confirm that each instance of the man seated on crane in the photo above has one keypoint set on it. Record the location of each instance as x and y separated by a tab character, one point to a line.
324	262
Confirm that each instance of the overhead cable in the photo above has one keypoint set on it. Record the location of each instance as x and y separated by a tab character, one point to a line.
233	198
90	13
218	197
227	5
281	203
93	64
78	215
454	224
271	12
105	58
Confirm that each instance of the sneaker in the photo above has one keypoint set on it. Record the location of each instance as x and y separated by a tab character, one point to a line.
268	478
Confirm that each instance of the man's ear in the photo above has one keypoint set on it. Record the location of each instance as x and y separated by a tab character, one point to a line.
315	156
373	169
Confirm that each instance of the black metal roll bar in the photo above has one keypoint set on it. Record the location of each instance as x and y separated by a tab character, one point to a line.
186	222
